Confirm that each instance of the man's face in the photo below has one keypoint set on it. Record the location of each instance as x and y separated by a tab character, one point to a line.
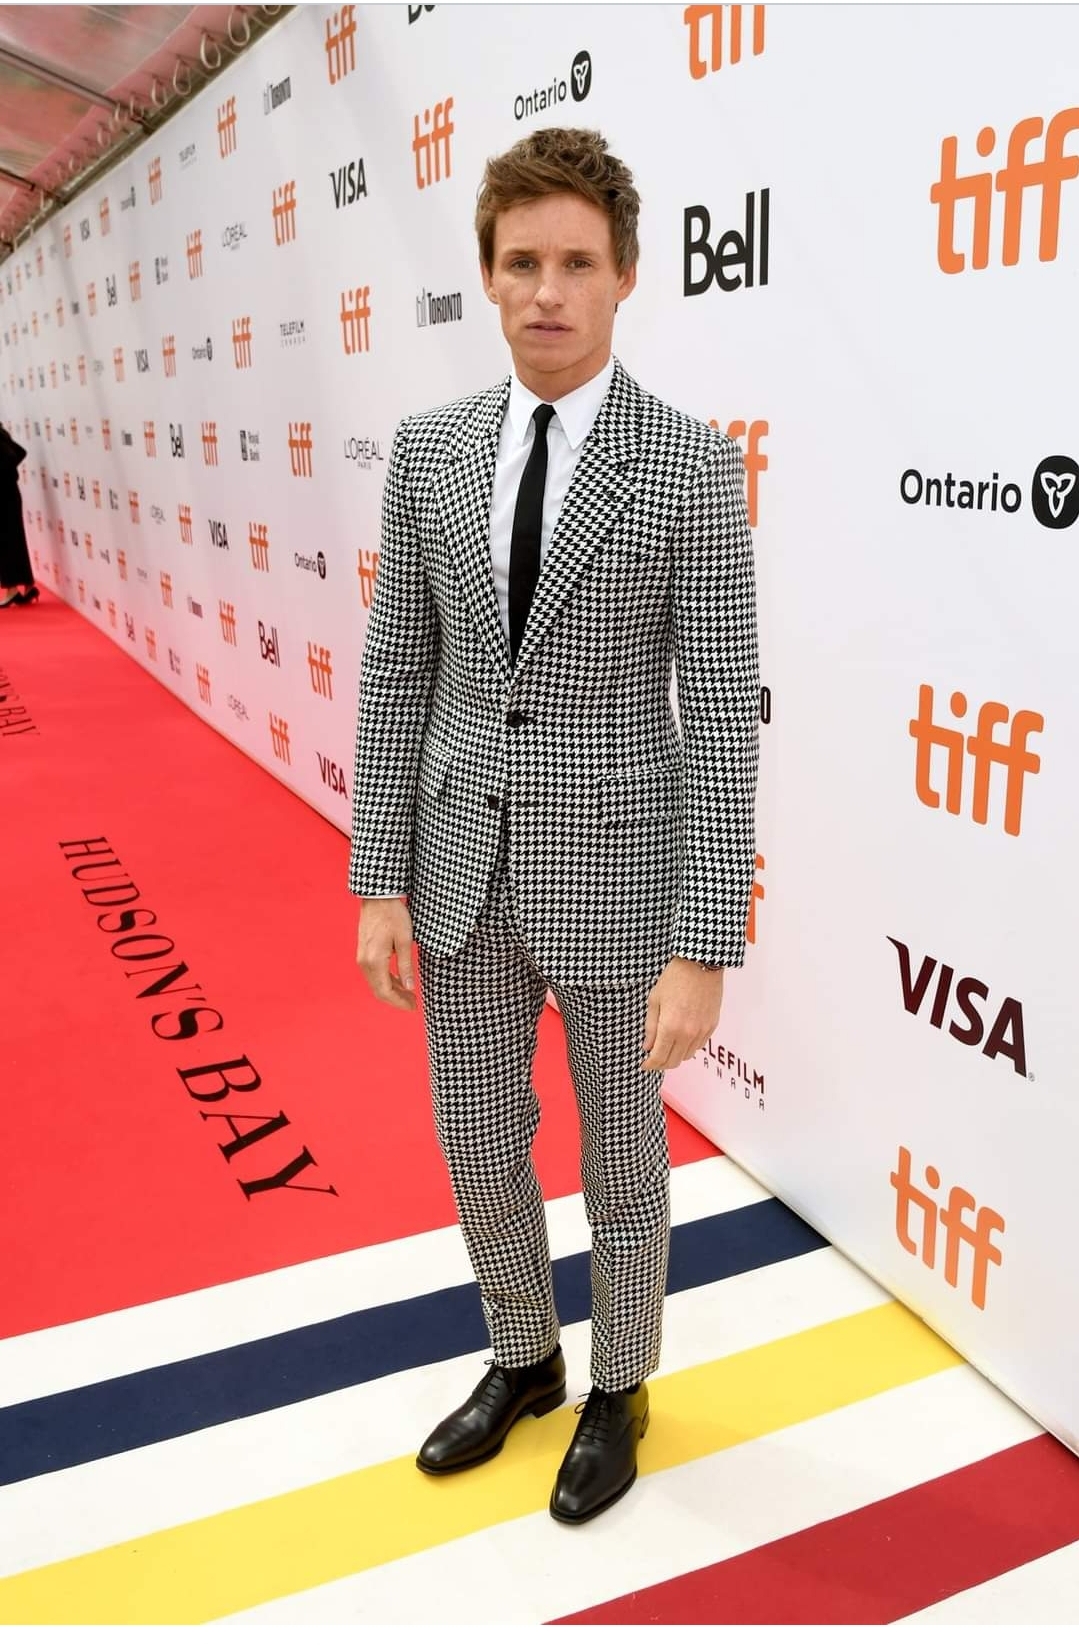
556	286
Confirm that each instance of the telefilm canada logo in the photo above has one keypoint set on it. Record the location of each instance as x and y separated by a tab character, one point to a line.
577	85
293	333
1053	492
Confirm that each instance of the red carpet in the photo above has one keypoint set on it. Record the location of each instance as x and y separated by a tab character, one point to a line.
121	1187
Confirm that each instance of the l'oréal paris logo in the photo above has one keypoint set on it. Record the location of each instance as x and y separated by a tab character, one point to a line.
234	236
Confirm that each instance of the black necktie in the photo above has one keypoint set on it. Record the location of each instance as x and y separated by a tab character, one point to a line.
527	530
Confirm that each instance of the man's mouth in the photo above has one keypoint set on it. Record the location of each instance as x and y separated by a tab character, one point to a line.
546	325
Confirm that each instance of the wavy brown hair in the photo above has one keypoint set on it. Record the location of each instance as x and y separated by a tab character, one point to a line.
558	160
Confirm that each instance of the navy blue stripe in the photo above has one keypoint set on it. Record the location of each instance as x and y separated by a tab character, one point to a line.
80	1425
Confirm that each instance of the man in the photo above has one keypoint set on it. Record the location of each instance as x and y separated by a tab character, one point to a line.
549	547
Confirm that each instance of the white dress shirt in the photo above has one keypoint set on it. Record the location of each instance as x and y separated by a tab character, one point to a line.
567	432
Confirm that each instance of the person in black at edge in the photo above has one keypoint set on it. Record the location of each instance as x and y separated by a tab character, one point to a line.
17	586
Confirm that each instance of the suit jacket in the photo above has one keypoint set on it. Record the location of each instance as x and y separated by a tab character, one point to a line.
628	842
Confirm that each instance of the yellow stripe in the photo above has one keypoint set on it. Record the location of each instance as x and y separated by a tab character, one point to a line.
262	1551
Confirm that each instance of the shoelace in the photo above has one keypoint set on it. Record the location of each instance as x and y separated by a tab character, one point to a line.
597	1408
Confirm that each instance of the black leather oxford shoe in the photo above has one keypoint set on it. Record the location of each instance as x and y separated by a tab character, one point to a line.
601	1464
477	1430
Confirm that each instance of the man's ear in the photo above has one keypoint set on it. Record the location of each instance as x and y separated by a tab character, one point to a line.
485	276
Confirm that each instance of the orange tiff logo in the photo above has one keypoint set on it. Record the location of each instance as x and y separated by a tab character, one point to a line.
341	43
183	515
168	354
209	445
194	255
134	280
73	429
241	342
432	146
368	570
300	449
756	897
97	494
149	434
151	644
91	297
202	677
1019	173
978	1235
226	127
103	213
356	319
695	19
118	363
280	739
321	667
112	613
153	177
121	562
754	461
226	611
284	213
259	539
985	752
133	505
106	434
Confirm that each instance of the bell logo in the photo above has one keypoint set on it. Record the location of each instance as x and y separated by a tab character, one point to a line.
756	897
321	667
153	177
355	319
284	213
300	449
433	141
241	342
168	354
368	570
209	445
695	18
1005	1038
732	250
1018	174
1013	755
151	644
958	1232
134	280
176	439
202	677
149	434
103	213
279	727
332	775
133	505
183	514
341	43
91	297
117	362
259	539
227	613
226	127
754	461
194	255
269	645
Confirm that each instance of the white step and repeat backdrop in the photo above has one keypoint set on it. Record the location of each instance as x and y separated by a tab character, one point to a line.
861	238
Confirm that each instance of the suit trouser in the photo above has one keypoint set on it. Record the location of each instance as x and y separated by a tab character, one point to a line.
481	1010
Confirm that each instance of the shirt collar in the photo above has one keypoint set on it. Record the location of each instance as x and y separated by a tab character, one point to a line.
576	412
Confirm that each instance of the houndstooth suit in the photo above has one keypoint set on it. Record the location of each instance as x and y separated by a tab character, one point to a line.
550	825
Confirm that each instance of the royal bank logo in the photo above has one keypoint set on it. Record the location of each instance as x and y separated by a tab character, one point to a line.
292	333
249	446
273	96
203	351
577	84
161	270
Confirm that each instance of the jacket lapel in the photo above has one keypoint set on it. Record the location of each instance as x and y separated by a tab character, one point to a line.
463	494
601	487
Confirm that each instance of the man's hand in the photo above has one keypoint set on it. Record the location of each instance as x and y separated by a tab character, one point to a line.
385	931
683	1011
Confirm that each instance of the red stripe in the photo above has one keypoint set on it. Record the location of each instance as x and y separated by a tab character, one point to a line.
887	1560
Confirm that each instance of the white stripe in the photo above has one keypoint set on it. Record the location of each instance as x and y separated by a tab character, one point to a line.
115	1499
1042	1591
242	1311
533	1570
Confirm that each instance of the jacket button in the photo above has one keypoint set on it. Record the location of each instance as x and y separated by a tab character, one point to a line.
494	802
516	717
